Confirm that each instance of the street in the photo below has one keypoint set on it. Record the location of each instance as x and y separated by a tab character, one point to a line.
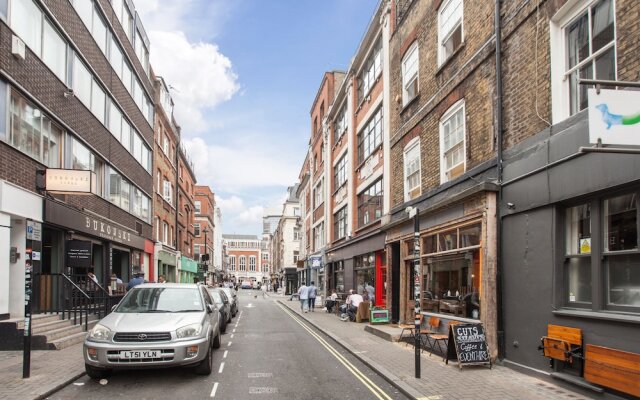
267	351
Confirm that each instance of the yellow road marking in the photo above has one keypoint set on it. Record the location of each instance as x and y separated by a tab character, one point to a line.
378	392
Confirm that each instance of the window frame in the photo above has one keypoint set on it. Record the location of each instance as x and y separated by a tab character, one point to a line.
340	172
414	78
443	37
364	204
560	73
340	224
459	106
413	145
369	137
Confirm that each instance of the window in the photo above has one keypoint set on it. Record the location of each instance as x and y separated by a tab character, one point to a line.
82	81
167	192
243	263
33	133
410	66
252	263
450	33
318	194
265	256
370	70
296	211
340	124
196	230
583	46
232	263
116	58
370	204
198	205
165	233
412	169
340	224
318	236
296	234
370	137
296	256
165	145
141	52
115	121
83	159
54	51
452	143
617	265
26	21
340	173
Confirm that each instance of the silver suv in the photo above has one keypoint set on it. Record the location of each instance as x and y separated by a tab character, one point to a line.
155	325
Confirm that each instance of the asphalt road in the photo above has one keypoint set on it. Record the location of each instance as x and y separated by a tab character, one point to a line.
267	353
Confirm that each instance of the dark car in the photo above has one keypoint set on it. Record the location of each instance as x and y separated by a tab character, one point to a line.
224	306
233	299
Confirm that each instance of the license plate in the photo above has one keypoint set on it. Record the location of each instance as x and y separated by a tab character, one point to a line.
128	354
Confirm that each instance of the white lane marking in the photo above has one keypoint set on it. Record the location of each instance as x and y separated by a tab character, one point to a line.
225	354
213	391
221	367
231	337
234	330
229	344
249	306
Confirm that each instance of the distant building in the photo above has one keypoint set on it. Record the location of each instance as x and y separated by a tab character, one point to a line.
204	231
244	252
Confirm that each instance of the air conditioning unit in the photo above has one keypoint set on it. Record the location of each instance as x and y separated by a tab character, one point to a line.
17	47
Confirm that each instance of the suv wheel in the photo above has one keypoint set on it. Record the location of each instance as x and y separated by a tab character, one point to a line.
217	341
206	365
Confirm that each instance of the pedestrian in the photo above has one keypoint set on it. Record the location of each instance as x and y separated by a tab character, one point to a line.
115	278
162	279
331	301
313	291
138	279
371	291
303	296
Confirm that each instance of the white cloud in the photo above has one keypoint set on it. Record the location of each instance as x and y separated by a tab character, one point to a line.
232	205
202	76
251	215
236	167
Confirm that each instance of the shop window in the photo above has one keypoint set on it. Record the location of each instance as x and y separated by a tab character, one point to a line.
338	276
365	269
464	237
616	268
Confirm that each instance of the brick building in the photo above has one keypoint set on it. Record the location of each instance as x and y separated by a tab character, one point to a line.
244	253
186	182
443	161
204	231
290	277
165	169
76	96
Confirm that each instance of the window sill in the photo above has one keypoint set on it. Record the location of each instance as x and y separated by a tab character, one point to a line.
373	152
409	103
602	315
450	58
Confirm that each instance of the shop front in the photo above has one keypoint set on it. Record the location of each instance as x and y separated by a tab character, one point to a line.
167	263
457	260
188	270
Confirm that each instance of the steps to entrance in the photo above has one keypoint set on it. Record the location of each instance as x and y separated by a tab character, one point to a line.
48	332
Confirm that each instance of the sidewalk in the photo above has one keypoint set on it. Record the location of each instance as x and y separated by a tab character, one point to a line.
50	370
396	362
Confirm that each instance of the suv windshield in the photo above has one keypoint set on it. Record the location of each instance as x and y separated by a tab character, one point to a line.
145	300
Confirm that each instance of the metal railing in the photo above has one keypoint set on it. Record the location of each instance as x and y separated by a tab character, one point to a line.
76	301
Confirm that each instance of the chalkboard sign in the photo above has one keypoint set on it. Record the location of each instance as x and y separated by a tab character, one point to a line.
468	344
78	253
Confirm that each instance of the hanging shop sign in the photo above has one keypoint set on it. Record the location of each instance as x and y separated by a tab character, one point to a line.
614	116
315	262
70	181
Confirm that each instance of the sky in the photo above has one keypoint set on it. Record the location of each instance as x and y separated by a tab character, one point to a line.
244	74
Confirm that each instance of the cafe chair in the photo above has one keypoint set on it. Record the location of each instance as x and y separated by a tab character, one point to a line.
411	329
434	338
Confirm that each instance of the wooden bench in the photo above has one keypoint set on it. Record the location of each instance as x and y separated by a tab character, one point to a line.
562	343
611	368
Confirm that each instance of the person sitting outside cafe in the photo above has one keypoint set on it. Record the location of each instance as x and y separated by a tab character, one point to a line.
353	301
331	301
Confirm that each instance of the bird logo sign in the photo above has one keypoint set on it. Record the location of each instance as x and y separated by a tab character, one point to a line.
614	117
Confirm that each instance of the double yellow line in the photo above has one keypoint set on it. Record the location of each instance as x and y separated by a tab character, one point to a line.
379	393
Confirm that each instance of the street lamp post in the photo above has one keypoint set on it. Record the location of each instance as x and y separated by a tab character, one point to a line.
413	213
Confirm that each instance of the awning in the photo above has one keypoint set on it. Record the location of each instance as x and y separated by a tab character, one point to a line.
188	264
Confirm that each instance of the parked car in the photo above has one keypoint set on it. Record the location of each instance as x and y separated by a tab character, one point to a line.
155	325
246	285
233	299
224	306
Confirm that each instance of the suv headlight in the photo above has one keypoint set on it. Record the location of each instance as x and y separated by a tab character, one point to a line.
99	333
188	331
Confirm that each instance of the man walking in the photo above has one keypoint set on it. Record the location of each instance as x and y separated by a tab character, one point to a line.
313	291
303	295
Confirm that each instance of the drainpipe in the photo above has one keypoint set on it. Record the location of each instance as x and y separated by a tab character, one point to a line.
498	116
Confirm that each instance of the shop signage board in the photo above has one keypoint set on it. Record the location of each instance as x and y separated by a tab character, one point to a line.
316	262
34	231
69	181
614	116
468	344
78	253
379	316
